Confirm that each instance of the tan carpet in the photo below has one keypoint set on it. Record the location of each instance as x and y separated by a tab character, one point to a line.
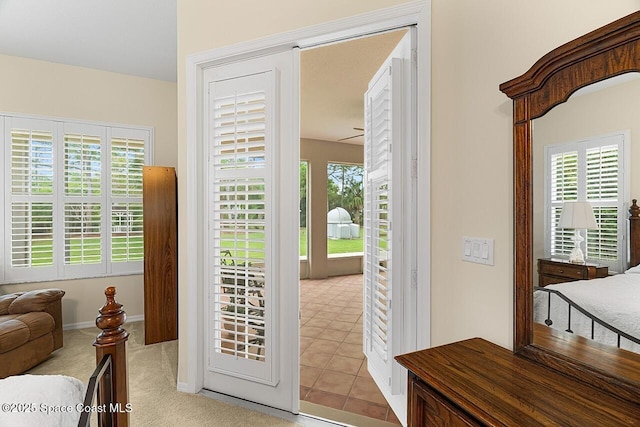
152	383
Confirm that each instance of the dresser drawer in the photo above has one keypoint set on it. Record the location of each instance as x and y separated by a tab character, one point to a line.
570	271
428	409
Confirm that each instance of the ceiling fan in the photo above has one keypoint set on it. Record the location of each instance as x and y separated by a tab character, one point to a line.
354	136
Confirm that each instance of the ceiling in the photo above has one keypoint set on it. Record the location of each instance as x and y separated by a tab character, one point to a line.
333	80
139	38
136	37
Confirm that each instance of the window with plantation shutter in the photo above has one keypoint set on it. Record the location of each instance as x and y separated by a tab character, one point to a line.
74	202
590	170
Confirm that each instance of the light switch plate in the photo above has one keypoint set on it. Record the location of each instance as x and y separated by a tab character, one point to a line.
478	250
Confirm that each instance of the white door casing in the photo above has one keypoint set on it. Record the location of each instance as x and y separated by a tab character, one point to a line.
389	254
251	155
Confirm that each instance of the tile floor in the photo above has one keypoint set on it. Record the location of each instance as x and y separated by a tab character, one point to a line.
333	371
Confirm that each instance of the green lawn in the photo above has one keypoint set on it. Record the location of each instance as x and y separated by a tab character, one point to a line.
42	249
333	246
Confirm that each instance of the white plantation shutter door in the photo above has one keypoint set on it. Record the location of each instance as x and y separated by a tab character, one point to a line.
590	170
389	253
251	269
241	226
384	254
378	250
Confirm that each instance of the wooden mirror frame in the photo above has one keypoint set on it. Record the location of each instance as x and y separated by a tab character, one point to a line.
606	52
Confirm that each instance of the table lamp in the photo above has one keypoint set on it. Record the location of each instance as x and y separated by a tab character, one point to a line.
579	216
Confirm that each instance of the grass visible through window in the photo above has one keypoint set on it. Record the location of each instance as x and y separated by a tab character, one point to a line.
334	246
42	250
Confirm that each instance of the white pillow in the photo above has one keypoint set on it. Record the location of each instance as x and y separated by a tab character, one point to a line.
635	269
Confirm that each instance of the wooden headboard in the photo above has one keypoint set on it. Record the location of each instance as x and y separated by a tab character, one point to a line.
634	234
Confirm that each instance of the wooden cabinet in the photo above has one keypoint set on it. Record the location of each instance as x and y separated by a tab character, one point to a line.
560	271
477	383
160	213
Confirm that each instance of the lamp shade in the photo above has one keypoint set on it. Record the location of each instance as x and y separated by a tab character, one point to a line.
577	215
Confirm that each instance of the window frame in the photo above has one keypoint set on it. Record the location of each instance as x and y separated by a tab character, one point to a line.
62	127
581	146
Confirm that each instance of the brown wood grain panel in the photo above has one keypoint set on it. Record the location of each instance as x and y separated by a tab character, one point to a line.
160	254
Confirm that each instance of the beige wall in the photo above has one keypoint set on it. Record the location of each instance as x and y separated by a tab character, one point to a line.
319	154
475	47
603	112
43	88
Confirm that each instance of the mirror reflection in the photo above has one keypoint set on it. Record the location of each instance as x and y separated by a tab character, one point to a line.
583	159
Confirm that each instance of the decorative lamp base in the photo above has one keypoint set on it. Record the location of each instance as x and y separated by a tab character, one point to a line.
576	256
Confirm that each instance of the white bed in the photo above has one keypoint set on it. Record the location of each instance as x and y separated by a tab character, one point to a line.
614	299
41	400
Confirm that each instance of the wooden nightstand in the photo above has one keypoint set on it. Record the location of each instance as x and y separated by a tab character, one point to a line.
552	270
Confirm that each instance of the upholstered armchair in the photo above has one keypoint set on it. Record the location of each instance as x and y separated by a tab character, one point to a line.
30	329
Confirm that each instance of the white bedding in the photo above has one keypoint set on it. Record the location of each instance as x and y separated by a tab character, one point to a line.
614	299
40	400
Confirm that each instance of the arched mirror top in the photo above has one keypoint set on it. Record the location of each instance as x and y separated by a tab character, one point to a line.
607	52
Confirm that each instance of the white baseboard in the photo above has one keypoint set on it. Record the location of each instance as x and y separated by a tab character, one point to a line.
83	325
183	387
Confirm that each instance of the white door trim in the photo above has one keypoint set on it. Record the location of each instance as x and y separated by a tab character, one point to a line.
191	288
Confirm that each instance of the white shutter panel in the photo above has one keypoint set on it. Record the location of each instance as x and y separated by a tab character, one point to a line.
241	227
82	194
564	187
30	207
377	228
602	182
127	158
389	252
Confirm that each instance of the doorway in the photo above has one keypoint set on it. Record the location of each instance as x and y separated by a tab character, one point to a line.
333	370
195	288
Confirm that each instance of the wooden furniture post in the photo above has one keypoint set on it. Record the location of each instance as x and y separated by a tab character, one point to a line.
634	233
112	341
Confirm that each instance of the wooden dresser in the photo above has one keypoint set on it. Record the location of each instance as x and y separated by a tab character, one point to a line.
559	271
476	383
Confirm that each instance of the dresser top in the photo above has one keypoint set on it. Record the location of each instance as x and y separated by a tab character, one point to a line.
500	388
